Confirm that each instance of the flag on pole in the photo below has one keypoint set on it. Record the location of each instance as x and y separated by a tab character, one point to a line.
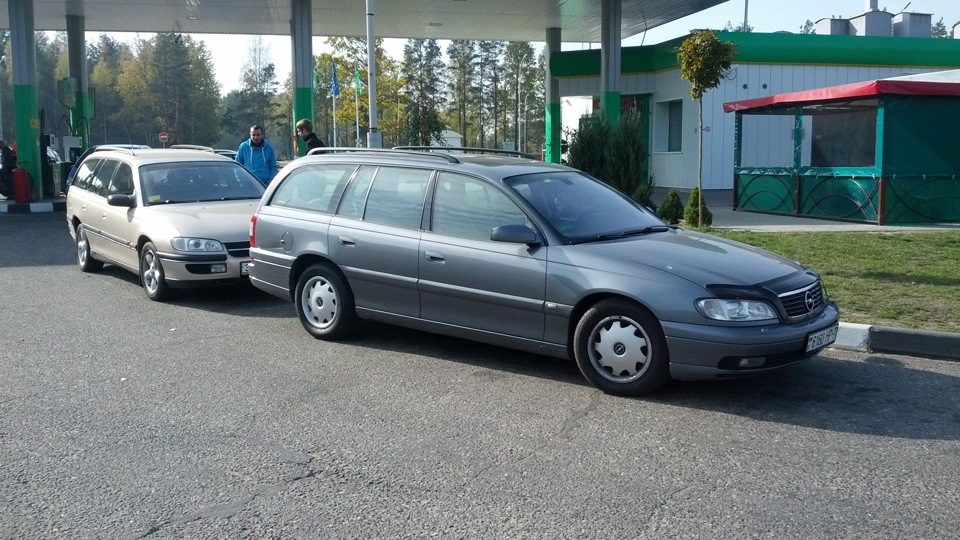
356	72
336	85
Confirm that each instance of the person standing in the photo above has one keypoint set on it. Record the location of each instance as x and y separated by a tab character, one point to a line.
305	131
257	155
8	162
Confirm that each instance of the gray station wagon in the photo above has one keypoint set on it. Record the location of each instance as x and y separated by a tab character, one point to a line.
532	256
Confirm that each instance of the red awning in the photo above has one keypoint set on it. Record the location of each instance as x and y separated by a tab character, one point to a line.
848	91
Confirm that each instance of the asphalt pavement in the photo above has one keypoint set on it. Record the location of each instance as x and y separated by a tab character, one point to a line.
852	336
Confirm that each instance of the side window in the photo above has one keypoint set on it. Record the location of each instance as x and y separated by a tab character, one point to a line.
467	207
313	188
351	205
396	197
122	182
102	176
85	173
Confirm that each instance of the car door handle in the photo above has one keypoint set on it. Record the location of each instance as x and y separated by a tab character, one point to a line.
434	256
347	241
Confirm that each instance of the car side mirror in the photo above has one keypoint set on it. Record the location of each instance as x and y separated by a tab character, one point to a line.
120	199
515	234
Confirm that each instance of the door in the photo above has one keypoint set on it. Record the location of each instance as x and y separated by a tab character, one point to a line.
375	236
466	279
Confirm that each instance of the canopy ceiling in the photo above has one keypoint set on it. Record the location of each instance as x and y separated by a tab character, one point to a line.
513	20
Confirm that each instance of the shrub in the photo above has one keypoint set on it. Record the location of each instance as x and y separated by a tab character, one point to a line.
671	209
627	167
588	147
691	214
617	155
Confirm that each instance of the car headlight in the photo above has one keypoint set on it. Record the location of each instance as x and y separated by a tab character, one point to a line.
720	309
193	245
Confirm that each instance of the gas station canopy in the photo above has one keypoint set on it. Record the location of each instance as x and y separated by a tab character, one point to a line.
512	20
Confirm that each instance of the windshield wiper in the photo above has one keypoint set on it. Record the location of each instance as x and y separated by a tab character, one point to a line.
623	234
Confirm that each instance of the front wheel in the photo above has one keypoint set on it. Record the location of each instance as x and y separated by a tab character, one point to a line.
620	348
324	302
84	256
151	274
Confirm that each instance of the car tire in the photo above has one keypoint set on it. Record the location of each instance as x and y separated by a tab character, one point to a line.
84	256
151	274
620	348
324	302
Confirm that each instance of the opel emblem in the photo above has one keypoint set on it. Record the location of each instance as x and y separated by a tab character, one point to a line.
809	301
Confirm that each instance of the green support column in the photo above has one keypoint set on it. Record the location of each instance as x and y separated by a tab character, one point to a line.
304	78
610	65
554	123
553	114
610	108
302	108
28	133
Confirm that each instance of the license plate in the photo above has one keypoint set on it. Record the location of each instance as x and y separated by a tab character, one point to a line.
244	269
822	338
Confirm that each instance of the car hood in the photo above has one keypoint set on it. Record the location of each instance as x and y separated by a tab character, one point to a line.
227	221
696	257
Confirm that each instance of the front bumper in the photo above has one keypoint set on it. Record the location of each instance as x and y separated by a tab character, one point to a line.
203	270
700	352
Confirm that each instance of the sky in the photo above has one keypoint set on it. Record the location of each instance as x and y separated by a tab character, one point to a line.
229	52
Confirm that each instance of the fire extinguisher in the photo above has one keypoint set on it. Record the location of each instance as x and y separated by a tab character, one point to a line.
21	186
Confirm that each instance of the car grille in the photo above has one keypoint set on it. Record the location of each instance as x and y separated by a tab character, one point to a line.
804	302
240	250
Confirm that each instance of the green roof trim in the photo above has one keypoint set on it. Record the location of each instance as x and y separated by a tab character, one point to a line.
776	48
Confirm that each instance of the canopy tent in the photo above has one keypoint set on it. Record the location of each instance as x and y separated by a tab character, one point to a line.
882	151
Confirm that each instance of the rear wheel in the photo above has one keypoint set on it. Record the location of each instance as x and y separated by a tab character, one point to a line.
151	274
620	348
84	257
324	302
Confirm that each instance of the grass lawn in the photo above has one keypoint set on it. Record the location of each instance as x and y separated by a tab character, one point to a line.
902	279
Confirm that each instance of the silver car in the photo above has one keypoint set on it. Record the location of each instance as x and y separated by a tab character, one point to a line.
177	218
531	256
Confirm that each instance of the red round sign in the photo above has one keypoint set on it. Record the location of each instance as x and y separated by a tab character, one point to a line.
163	136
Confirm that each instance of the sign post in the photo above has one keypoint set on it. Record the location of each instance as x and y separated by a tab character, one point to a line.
164	138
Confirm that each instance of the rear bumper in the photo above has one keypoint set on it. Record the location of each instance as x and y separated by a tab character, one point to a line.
710	352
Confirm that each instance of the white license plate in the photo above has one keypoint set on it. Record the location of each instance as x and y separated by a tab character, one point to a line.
822	338
244	269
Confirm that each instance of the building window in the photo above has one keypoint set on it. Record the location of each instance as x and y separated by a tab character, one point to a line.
669	126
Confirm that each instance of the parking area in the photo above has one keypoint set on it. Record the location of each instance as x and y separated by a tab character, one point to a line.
216	416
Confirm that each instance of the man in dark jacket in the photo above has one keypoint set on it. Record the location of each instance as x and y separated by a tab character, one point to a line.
305	131
8	162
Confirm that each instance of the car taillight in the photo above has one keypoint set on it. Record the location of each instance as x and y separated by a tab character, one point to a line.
253	230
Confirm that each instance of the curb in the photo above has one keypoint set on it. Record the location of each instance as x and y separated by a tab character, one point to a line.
884	339
33	208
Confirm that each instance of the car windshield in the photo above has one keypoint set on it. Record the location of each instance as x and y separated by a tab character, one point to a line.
583	209
197	181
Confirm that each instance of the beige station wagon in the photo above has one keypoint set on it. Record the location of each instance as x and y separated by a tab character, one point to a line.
176	218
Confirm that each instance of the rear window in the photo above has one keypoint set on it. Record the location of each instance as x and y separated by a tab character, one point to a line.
315	188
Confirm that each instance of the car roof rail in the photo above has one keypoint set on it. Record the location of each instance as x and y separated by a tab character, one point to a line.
190	147
396	151
466	150
103	147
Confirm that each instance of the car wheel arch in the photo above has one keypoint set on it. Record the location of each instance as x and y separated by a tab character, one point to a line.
300	264
585	303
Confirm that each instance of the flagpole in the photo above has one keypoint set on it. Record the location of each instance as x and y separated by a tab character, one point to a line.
335	91
358	88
